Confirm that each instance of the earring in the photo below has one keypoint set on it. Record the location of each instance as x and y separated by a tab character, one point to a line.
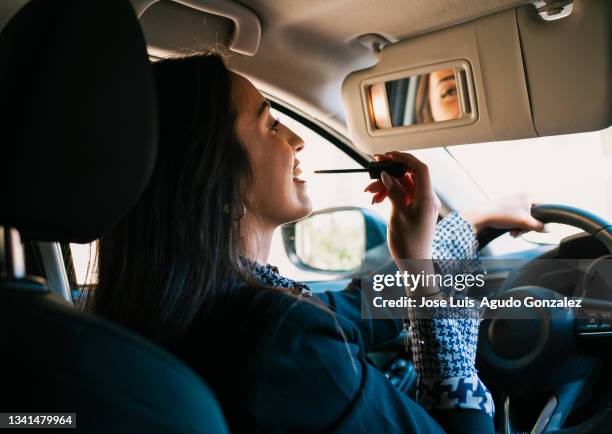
243	212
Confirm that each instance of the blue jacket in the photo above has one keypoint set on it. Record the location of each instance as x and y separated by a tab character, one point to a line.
281	365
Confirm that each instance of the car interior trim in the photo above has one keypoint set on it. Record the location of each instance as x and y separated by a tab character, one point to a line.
55	270
245	34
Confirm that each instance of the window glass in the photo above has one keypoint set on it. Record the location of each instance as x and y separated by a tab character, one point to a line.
573	169
84	262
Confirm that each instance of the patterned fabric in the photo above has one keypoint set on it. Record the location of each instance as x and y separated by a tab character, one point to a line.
455	248
444	345
268	275
466	392
454	239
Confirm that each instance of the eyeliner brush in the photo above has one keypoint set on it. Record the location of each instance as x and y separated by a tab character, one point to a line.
375	168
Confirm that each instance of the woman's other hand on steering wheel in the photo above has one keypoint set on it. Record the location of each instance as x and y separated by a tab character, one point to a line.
512	213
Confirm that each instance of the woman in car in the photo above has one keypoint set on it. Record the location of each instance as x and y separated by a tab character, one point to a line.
187	267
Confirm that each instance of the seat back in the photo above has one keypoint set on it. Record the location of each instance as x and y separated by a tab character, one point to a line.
60	360
78	112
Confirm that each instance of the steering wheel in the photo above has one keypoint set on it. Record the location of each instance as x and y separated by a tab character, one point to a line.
541	350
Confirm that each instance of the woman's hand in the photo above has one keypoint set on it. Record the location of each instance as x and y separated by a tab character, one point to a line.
513	212
414	207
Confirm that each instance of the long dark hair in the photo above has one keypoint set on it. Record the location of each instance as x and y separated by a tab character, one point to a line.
180	244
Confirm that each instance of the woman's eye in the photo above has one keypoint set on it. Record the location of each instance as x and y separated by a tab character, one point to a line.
451	91
275	125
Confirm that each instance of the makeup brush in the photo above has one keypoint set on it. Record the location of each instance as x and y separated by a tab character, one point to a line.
374	169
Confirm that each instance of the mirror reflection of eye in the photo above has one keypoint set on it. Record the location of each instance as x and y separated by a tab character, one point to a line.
451	91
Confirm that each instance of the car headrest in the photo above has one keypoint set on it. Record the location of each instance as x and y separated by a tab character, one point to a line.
78	118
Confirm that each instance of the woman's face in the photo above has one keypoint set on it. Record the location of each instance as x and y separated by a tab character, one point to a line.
277	195
443	95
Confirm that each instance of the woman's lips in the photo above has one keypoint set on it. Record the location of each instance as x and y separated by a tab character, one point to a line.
297	172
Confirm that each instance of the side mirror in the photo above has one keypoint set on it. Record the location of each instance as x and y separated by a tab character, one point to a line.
334	240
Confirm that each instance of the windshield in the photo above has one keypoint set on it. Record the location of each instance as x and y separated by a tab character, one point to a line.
573	169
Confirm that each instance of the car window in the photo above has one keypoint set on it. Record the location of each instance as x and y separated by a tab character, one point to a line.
84	263
574	169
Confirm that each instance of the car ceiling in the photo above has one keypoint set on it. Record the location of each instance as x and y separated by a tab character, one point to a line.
308	47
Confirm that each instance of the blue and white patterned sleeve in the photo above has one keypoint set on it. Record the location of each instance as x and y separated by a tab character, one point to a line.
444	340
455	247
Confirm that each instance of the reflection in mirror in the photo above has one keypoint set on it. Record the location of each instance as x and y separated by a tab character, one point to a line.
420	99
332	241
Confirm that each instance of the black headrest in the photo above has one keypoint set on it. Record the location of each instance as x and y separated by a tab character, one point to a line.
78	118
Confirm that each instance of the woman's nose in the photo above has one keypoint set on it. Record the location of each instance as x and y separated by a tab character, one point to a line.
296	142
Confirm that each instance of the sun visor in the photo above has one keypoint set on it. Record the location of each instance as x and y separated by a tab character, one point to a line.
568	63
178	27
510	75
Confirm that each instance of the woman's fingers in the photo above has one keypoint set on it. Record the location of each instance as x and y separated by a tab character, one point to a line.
405	184
381	157
418	170
531	224
379	197
394	191
375	187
